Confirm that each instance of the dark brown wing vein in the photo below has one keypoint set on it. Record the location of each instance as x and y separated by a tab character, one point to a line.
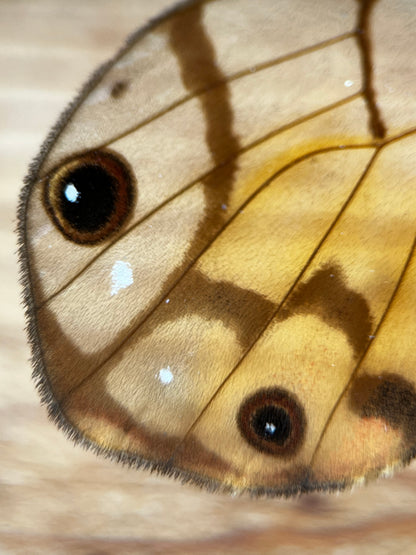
369	345
377	126
278	309
206	177
196	56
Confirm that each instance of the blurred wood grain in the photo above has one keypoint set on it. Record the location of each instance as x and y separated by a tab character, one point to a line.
56	498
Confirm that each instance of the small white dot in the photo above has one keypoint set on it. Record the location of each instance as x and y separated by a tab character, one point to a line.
167	301
348	83
71	193
165	375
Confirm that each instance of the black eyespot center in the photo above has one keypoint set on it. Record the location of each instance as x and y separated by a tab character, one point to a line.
272	424
273	421
91	197
88	197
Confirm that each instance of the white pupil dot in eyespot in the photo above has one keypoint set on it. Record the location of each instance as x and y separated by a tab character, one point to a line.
270	428
348	83
71	193
165	375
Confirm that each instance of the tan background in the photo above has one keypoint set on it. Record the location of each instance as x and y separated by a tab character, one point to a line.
57	498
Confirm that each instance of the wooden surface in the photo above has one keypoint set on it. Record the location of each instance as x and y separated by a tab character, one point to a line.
56	498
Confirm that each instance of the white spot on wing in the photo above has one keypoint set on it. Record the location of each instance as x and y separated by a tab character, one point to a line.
121	276
348	83
165	375
44	230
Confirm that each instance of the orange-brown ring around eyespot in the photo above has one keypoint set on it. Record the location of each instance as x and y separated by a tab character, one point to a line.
118	169
281	399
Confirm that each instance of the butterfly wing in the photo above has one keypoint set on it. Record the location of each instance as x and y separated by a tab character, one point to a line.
218	247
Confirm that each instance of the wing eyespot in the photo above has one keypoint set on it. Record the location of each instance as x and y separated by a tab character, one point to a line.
273	422
91	197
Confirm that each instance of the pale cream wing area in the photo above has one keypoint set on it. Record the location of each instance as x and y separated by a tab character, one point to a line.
394	69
